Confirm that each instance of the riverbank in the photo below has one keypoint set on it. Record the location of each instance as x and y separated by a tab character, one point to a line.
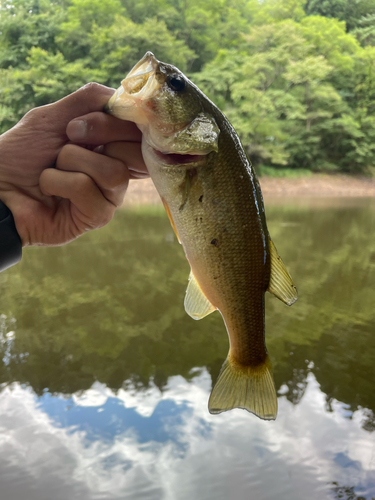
318	185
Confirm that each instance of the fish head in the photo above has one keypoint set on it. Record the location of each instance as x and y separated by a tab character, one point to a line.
167	107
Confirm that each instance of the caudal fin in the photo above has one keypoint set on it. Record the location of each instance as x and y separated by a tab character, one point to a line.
245	387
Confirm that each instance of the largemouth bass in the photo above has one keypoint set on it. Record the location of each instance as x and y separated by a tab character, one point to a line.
213	200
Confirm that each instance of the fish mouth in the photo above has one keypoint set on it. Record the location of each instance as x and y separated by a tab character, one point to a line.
179	159
142	76
140	83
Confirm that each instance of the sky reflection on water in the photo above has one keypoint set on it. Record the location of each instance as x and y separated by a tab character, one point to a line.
148	444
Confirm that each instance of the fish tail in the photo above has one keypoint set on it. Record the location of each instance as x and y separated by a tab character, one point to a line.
246	387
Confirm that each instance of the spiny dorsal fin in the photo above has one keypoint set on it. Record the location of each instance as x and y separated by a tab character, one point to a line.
246	387
196	303
281	283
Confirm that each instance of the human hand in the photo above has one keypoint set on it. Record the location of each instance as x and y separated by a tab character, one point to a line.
52	206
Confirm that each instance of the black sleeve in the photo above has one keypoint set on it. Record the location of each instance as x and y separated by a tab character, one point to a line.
10	242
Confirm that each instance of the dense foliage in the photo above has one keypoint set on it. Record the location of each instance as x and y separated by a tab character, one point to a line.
295	77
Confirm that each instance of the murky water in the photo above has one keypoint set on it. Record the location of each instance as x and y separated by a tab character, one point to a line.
105	379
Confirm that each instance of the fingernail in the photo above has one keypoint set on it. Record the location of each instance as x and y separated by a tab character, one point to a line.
99	149
77	130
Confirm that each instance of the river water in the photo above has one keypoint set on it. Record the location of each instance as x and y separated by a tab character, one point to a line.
105	379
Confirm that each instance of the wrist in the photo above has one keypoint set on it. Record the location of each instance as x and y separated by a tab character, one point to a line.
10	241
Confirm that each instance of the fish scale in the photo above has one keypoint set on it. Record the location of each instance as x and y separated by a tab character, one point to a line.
213	200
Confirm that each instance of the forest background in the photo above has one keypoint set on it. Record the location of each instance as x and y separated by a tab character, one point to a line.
295	77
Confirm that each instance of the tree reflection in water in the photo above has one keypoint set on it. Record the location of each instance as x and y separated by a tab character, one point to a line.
109	309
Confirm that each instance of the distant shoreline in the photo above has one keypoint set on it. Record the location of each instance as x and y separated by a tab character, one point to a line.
315	186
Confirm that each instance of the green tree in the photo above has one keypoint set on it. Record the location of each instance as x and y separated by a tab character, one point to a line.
365	31
344	10
118	47
83	18
270	11
25	24
299	94
297	87
327	37
280	96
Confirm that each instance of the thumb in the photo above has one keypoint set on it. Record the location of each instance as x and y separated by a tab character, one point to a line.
89	98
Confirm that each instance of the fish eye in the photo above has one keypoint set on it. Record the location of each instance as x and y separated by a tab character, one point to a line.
176	83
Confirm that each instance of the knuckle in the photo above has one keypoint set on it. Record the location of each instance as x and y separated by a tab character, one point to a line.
117	176
69	149
34	115
99	218
83	182
105	216
64	155
91	87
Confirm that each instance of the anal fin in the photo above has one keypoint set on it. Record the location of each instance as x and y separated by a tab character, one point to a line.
281	283
196	303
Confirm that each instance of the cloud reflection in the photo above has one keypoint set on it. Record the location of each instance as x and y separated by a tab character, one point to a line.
152	445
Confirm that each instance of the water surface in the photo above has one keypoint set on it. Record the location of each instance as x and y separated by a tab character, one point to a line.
105	379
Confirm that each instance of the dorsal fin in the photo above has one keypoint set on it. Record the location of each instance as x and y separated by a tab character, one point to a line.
196	303
281	283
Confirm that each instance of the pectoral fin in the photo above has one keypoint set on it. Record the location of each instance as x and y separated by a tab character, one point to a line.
196	303
170	218
281	283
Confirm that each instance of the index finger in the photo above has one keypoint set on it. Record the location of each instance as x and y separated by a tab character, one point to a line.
99	128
